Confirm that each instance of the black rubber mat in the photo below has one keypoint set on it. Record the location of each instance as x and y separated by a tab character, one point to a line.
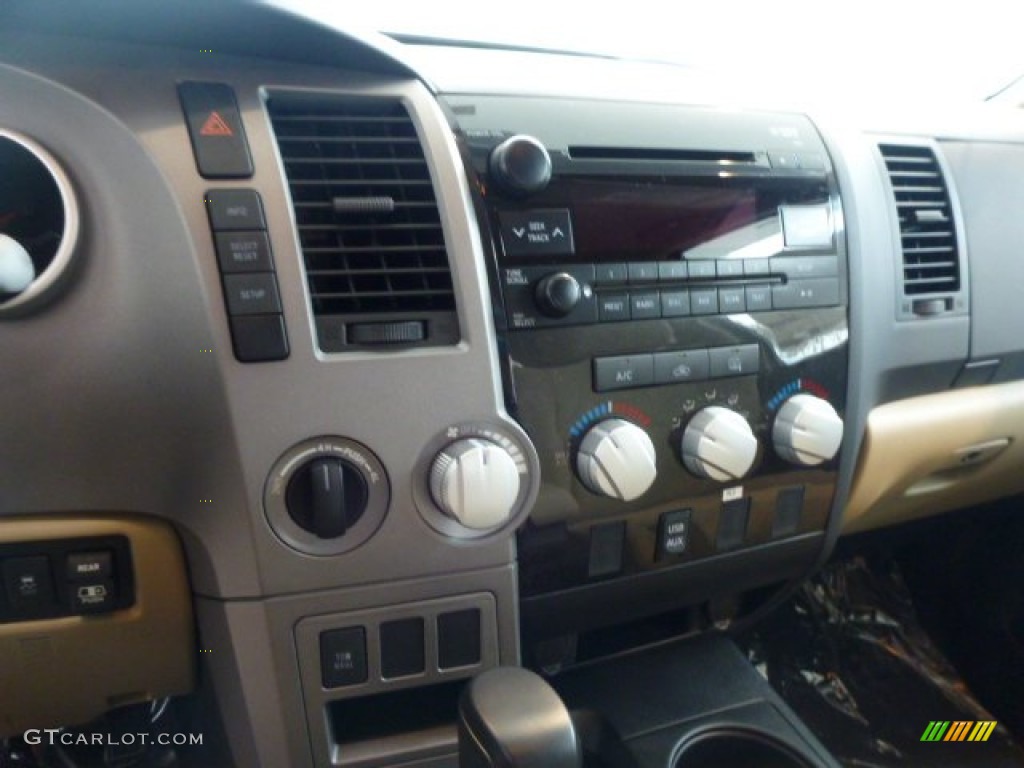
848	654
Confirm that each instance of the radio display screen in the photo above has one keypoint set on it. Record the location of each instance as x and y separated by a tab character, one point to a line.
664	219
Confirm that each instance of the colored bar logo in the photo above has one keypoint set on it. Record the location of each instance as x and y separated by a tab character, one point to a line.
959	730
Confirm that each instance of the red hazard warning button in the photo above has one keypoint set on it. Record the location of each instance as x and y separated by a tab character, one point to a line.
215	129
215	125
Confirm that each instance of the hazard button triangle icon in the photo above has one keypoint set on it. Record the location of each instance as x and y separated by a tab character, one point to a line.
215	125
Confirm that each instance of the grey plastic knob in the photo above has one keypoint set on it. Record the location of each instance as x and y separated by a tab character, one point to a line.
807	430
719	444
617	459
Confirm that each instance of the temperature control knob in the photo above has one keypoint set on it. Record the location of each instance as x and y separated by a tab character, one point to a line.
617	459
558	294
476	482
807	430
719	444
520	165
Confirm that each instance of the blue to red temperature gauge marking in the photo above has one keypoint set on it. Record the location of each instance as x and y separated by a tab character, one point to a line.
794	387
604	410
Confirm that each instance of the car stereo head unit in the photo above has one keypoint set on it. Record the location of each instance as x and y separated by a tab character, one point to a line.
670	287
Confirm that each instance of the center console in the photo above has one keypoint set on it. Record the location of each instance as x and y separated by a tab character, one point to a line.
669	289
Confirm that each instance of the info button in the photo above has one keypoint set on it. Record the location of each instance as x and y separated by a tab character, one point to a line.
623	372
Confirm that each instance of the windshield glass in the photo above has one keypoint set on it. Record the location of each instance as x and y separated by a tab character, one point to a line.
877	50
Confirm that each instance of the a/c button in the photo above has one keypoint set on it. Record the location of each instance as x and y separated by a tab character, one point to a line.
623	372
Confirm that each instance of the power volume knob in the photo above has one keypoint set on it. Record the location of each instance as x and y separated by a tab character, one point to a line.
719	444
617	459
807	430
475	482
520	165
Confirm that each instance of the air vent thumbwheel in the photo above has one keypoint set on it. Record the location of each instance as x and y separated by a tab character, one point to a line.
38	225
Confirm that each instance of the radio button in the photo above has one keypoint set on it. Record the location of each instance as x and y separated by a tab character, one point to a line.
732	300
756	267
701	269
799	294
802	267
675	303
672	270
734	361
704	301
759	298
610	273
673	367
613	307
729	268
643	272
623	372
645	305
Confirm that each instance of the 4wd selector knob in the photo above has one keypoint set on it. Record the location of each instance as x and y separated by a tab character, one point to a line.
558	294
326	496
476	482
719	444
520	165
617	459
807	430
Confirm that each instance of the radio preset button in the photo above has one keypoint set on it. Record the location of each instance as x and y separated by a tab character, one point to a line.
623	372
704	301
610	273
645	305
759	298
672	270
688	365
643	272
701	269
675	303
613	307
756	267
729	268
734	361
732	300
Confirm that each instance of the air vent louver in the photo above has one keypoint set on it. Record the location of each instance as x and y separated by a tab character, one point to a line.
931	262
368	220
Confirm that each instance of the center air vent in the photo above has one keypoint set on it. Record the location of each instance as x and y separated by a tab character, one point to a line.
368	221
931	260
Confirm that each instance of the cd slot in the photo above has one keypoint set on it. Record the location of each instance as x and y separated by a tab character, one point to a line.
663	155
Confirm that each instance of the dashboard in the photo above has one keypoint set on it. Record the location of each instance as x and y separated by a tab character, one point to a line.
340	371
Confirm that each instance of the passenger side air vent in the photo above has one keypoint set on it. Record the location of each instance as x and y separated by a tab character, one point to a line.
368	222
931	259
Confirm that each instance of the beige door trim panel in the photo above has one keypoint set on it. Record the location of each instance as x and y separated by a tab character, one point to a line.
69	670
936	453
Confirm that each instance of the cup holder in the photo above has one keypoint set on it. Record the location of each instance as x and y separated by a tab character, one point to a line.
737	748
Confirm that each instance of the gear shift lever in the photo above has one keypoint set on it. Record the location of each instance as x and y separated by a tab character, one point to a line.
511	718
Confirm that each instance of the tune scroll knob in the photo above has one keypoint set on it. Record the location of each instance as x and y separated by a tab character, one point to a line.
520	165
807	430
475	482
719	444
617	459
558	294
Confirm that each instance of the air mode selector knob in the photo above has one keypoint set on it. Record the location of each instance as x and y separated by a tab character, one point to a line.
558	294
719	444
476	482
617	459
520	165
807	430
